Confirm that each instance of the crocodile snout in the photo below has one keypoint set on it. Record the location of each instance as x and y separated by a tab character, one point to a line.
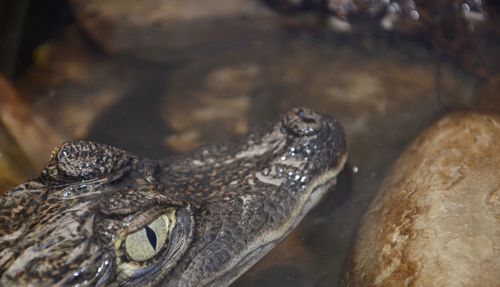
302	122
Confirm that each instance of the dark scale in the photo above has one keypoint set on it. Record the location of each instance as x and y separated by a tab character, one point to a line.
79	222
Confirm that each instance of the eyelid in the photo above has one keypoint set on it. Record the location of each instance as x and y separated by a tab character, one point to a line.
144	218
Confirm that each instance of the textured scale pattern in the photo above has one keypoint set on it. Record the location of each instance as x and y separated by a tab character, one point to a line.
232	203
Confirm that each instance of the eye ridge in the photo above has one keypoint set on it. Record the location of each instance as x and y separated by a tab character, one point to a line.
151	234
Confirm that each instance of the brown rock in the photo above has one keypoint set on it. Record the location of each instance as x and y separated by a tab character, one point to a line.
436	221
164	29
14	166
215	110
383	96
31	132
70	84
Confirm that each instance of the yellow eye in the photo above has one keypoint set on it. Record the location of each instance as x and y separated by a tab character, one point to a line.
145	243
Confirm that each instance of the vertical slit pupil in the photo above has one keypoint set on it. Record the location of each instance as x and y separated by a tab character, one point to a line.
151	236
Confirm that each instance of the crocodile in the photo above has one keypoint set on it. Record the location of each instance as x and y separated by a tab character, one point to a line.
99	216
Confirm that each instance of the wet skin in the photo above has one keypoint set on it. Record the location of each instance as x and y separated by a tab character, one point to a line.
98	215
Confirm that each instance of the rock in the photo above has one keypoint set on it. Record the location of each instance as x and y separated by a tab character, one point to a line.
14	165
384	95
165	29
466	31
219	104
32	134
436	220
26	139
71	84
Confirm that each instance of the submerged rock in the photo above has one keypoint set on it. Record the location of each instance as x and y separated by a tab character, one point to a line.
25	138
466	31
165	29
14	165
31	133
383	94
436	221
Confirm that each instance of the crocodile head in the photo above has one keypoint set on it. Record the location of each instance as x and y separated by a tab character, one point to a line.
99	216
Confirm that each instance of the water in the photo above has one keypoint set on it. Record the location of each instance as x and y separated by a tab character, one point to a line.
384	89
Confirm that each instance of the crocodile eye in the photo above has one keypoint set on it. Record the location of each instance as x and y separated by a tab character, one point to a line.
145	243
152	242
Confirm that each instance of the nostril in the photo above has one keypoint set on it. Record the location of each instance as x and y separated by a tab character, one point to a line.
305	118
302	121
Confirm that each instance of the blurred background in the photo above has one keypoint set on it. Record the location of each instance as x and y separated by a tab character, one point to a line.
167	76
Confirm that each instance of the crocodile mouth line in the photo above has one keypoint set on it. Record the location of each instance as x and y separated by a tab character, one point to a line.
266	243
317	189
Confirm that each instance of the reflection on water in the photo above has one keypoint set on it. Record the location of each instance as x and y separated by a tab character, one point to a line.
384	90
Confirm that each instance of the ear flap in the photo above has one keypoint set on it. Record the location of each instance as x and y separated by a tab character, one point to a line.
82	160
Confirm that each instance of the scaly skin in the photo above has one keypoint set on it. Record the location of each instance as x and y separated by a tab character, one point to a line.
224	206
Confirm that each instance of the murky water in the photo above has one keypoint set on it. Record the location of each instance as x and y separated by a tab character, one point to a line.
384	90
